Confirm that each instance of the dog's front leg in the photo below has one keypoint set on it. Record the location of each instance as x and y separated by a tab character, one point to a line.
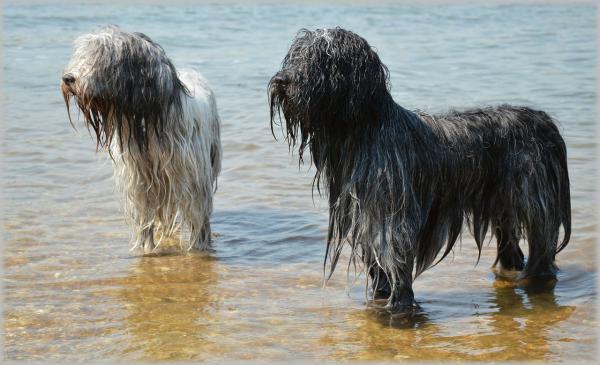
380	284
402	298
147	238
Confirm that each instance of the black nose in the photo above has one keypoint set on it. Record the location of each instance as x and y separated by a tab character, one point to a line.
68	79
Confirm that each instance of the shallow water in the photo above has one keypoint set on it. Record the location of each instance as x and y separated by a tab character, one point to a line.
73	290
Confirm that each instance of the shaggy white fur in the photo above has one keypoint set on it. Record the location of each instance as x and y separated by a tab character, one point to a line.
160	126
169	188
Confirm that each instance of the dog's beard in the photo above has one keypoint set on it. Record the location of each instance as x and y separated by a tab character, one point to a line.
95	117
125	87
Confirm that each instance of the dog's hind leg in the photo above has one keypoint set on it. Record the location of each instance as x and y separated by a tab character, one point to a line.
542	229
200	235
542	237
509	254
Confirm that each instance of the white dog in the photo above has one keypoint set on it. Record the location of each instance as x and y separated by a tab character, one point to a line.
160	126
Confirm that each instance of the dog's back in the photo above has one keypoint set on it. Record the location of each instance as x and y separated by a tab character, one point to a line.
505	167
203	103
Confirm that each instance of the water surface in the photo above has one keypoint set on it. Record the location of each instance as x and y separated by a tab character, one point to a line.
74	291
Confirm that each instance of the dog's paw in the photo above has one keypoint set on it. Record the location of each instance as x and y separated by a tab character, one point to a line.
406	315
539	280
539	273
407	308
381	294
503	274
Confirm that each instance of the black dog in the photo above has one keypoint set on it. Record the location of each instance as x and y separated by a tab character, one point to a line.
401	183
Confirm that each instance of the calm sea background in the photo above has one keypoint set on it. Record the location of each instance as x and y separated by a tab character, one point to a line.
73	290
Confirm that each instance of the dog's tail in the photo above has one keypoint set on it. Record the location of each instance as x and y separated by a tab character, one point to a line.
549	197
564	191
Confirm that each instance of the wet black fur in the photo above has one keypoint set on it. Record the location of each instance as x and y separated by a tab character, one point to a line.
402	183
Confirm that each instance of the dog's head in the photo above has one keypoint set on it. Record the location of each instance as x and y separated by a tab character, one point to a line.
331	84
124	84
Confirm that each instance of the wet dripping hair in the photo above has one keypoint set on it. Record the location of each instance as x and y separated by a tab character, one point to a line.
402	184
124	85
160	126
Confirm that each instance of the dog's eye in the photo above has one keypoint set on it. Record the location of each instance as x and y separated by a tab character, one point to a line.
68	79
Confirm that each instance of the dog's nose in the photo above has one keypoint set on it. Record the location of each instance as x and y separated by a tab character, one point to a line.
68	79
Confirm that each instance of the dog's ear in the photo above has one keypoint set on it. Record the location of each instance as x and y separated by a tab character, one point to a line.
278	85
278	94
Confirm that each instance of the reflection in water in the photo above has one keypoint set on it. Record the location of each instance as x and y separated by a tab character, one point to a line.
376	310
511	323
170	302
72	291
524	319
